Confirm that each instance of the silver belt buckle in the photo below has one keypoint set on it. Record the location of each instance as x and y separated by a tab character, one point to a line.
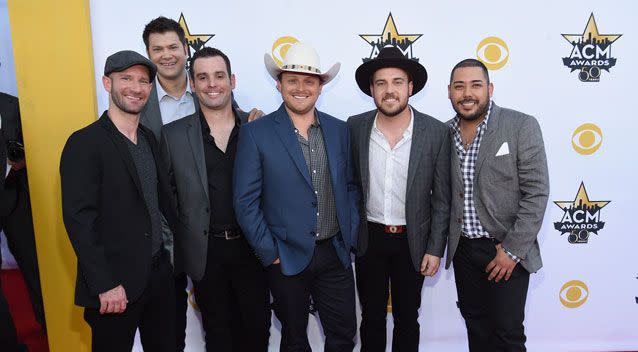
229	236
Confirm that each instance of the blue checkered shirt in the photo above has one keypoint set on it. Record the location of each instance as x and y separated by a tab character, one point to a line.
472	227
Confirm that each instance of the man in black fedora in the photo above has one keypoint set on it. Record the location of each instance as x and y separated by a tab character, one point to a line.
402	159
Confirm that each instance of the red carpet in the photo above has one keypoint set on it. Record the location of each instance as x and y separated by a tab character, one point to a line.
29	331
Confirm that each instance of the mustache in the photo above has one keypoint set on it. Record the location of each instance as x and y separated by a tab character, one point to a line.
390	96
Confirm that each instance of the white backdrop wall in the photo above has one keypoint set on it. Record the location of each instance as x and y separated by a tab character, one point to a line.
599	311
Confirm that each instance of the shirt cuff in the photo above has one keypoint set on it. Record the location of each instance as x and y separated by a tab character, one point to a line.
512	256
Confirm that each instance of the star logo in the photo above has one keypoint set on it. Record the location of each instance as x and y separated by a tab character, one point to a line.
390	37
582	200
581	217
195	41
591	34
591	52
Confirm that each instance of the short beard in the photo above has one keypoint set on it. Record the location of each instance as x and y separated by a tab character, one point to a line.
122	106
392	113
480	112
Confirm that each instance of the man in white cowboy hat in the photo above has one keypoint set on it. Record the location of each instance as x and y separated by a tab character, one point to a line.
296	201
402	158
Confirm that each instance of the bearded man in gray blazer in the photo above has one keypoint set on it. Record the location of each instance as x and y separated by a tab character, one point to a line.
402	159
500	187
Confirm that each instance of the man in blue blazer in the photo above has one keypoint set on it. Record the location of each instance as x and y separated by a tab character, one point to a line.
296	201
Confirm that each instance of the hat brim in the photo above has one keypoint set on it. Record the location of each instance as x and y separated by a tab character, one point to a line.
417	72
274	70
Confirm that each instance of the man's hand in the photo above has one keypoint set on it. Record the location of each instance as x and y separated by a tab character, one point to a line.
430	265
501	266
17	165
276	261
113	300
254	114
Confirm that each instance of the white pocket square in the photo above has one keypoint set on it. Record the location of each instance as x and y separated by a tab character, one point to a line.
503	150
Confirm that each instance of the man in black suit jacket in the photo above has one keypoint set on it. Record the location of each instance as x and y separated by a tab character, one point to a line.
114	195
402	158
15	208
8	338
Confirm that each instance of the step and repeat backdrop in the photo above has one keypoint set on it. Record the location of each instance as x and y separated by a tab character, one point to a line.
568	63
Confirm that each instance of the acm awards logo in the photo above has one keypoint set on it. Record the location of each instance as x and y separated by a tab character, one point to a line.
591	52
581	217
493	52
390	37
194	42
573	294
587	138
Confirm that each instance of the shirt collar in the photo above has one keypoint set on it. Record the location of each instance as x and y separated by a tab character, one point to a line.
206	128
408	130
161	93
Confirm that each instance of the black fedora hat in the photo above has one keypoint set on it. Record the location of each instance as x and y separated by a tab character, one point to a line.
391	56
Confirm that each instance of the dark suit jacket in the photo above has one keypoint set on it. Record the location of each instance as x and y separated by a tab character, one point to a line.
11	131
182	150
427	201
510	189
104	211
274	199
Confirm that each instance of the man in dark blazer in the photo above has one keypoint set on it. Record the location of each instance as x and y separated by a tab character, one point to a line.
8	336
402	159
296	201
500	185
114	194
16	219
199	150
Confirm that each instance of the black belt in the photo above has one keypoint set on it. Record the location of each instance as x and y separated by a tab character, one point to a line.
231	234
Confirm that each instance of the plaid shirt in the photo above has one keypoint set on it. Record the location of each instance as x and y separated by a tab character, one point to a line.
472	227
314	153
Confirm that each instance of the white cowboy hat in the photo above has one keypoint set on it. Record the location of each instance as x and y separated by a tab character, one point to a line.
301	58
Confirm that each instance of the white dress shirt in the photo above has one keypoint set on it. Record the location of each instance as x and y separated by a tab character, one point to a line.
174	108
388	174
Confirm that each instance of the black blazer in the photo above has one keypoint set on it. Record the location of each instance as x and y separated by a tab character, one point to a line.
104	211
11	131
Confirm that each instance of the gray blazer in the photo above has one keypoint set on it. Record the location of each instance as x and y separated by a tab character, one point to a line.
427	205
510	190
182	150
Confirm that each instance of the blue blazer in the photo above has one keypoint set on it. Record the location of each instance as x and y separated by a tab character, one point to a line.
273	194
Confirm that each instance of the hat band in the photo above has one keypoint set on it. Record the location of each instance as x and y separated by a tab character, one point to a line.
302	67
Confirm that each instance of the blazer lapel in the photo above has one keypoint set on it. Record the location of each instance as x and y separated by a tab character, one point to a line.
364	152
416	149
151	116
331	143
489	140
194	135
122	148
285	131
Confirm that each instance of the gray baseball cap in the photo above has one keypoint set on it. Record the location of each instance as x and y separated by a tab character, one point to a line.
124	59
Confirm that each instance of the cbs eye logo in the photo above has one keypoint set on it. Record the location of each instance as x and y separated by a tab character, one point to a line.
280	48
573	294
587	138
493	53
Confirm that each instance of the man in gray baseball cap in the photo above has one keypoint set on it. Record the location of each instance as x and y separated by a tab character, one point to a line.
115	197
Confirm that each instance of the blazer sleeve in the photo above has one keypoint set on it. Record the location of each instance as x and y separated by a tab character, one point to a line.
440	200
533	183
80	174
247	193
